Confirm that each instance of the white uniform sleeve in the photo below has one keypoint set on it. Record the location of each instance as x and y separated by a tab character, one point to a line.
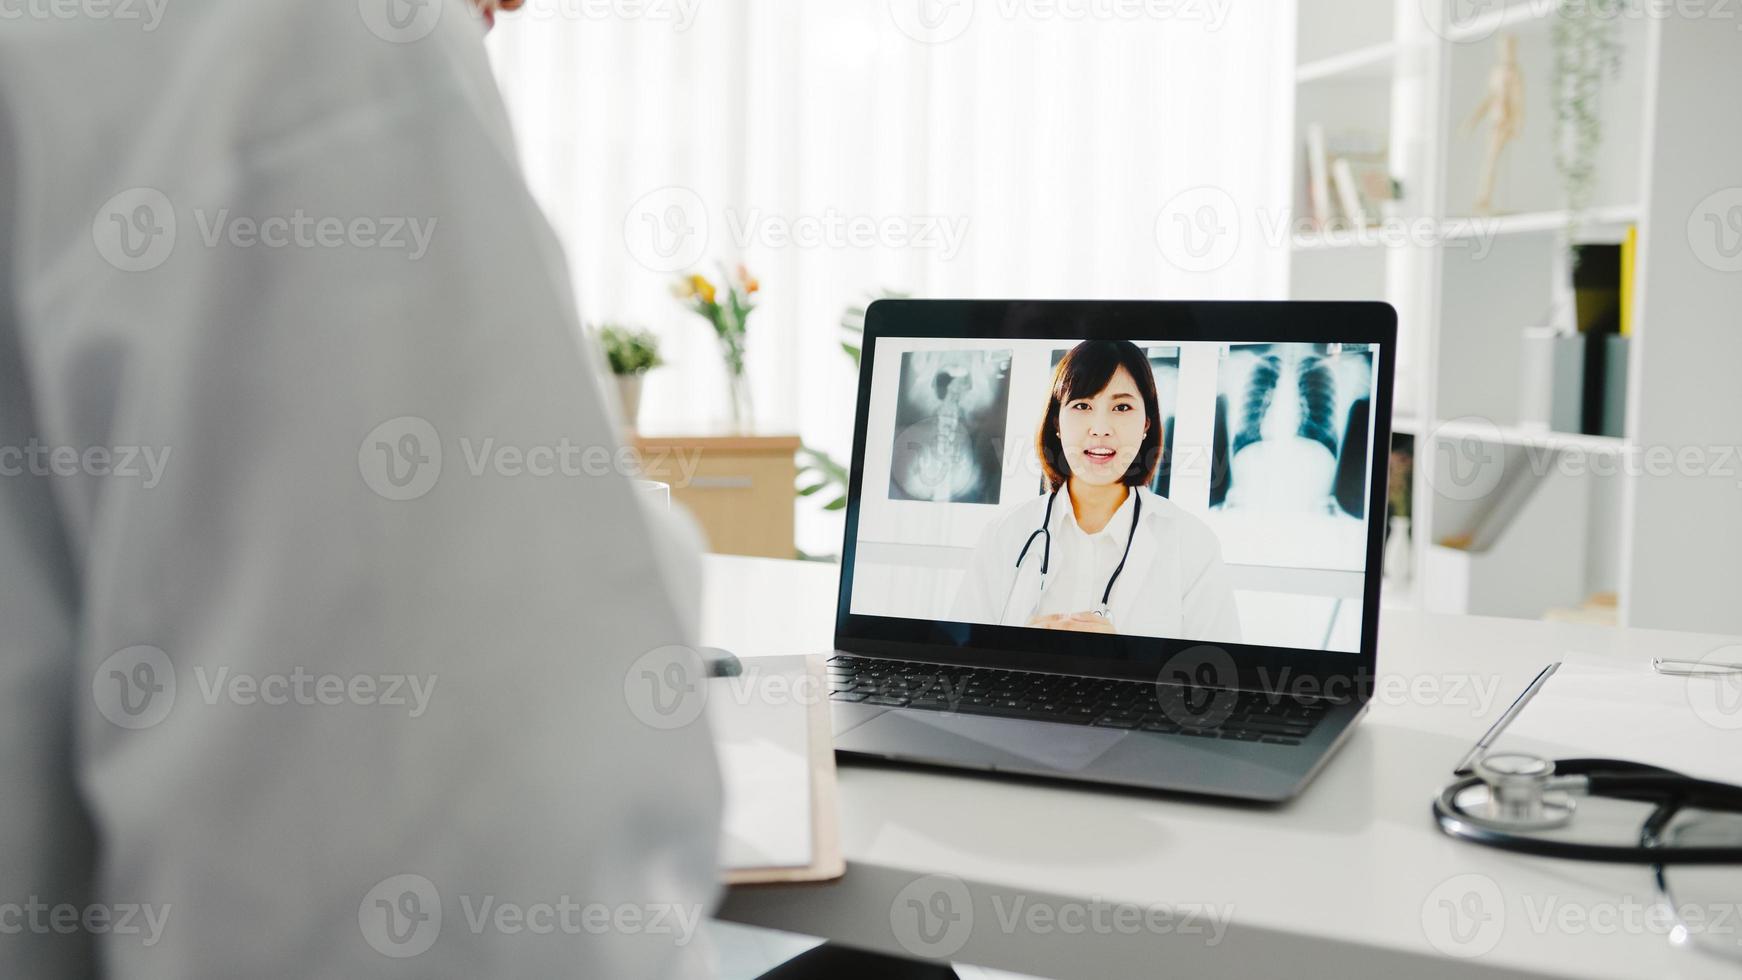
354	647
1208	608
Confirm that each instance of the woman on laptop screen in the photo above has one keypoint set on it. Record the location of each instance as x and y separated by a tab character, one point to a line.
1099	552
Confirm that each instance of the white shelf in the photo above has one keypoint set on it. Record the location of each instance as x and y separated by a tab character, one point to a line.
1513	435
1406	424
1373	61
1598	224
1596	220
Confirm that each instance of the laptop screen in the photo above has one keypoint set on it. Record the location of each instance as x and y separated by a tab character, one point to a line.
1196	490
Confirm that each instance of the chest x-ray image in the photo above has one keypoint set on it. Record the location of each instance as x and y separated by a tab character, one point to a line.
949	426
1291	428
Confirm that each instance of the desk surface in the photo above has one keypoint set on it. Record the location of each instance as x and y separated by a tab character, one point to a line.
1350	880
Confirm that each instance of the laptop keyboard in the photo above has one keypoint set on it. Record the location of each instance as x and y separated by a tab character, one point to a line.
1243	716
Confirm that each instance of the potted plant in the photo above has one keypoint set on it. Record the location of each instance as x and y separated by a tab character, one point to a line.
730	318
631	353
1587	54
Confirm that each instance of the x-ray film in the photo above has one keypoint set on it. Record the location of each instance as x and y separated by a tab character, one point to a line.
949	426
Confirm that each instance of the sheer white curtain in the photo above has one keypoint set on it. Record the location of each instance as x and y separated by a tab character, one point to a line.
977	148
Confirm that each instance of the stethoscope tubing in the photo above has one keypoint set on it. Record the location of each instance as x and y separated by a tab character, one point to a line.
1045	534
1668	790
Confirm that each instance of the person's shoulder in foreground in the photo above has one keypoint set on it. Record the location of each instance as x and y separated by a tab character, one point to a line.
326	692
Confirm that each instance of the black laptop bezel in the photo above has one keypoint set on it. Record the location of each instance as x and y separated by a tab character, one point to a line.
1133	657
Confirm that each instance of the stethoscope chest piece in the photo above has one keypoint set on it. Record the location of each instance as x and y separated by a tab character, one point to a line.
1512	792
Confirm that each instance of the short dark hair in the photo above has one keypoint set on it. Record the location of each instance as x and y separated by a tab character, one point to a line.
1083	373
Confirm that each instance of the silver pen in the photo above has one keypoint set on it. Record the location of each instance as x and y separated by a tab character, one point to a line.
1693	668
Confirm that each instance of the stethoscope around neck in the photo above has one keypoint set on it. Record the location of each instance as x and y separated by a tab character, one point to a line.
1045	534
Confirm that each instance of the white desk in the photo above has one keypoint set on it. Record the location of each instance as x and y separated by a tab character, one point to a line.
1344	882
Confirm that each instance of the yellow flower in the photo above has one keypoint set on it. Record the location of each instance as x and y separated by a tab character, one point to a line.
700	286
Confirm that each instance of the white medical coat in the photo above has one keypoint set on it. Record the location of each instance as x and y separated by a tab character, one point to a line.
1174	583
255	374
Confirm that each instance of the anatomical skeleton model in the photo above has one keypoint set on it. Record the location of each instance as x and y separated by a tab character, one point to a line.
1503	109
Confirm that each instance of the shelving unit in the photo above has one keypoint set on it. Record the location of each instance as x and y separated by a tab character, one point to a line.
1558	517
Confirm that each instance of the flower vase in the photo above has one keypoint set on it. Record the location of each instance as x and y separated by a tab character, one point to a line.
743	412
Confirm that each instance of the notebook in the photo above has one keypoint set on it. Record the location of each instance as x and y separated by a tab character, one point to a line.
1686	723
772	732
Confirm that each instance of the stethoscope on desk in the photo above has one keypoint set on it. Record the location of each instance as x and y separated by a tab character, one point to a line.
1045	534
1508	800
1509	797
1500	799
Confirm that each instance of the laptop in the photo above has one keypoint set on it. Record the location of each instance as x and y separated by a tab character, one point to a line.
1132	544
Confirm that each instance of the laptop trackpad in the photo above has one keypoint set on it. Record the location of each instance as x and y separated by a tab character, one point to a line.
976	740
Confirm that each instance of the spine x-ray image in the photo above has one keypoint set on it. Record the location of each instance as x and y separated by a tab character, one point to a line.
1291	428
949	426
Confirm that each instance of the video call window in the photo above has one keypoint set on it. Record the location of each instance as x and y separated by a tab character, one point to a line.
1221	488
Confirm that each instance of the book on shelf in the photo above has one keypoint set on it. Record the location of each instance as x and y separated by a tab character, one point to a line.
1348	177
1318	175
